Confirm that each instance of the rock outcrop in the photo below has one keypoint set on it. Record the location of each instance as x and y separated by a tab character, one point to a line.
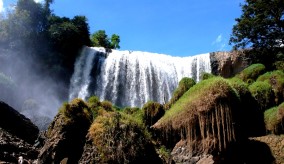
227	64
17	124
12	147
206	122
65	137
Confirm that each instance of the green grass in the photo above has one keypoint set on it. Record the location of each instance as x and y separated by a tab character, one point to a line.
276	80
263	94
274	119
199	92
251	73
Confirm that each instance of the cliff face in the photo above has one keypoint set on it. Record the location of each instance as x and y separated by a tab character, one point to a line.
17	136
17	124
227	64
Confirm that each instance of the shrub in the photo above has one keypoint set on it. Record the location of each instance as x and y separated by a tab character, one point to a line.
274	119
107	105
252	122
118	138
183	86
251	73
76	110
279	65
152	112
276	80
206	76
263	94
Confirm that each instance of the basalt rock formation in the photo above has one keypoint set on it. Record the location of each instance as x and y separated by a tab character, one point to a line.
17	124
65	137
17	136
206	118
228	64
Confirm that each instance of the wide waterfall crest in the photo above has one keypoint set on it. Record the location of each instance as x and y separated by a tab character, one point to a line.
131	78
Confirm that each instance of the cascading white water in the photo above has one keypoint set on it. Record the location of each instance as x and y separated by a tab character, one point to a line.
131	78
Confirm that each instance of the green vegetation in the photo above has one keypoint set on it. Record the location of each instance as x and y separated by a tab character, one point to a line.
276	80
260	25
76	110
204	115
206	76
274	119
118	138
260	29
251	73
152	112
183	86
263	94
100	39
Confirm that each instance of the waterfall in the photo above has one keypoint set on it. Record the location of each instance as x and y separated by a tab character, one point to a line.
131	78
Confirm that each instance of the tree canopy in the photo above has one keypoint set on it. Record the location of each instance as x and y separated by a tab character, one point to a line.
100	39
261	25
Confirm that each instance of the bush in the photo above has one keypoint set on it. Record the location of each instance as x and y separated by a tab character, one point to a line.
76	110
107	105
251	73
252	122
183	86
279	65
118	138
274	119
263	94
152	112
276	80
206	76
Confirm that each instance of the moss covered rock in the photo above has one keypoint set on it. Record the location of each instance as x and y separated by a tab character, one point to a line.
263	94
183	86
118	138
65	137
152	112
276	80
252	122
206	117
251	73
274	119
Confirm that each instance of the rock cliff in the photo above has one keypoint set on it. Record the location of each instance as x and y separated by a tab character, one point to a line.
227	64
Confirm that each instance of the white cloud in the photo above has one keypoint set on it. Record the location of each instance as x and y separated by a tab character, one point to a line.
219	39
220	43
1	6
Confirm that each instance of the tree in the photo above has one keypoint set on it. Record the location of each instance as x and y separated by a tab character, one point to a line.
100	39
115	39
261	25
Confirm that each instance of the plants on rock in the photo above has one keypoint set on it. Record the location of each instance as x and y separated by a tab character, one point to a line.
152	112
76	110
251	73
206	116
183	86
118	138
276	80
274	119
263	94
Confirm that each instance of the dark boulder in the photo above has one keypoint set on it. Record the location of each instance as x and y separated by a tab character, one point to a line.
17	124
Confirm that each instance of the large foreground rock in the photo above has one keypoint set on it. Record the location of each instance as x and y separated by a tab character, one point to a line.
12	147
65	137
17	124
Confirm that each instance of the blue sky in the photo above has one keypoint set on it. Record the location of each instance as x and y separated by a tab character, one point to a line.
178	28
